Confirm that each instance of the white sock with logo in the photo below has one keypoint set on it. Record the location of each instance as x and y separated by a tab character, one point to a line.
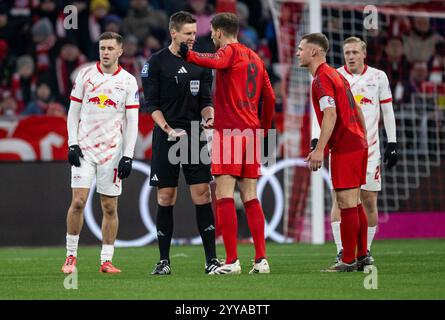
337	235
107	253
72	242
371	234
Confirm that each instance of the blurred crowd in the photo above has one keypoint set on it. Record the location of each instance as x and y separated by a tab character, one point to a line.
411	50
39	56
413	56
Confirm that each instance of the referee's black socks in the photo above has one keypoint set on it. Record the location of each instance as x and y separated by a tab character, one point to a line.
206	227
164	226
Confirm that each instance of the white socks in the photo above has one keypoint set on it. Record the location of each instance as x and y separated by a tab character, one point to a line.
371	234
337	235
107	253
72	242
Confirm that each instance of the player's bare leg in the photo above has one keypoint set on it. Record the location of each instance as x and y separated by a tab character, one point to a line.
74	218
74	223
110	221
200	193
164	226
225	209
201	198
110	224
225	186
369	201
255	220
167	196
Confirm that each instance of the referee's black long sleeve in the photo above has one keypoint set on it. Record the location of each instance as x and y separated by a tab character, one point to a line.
206	92
151	84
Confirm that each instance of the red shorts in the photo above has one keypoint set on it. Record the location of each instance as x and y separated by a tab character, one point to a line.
348	170
236	154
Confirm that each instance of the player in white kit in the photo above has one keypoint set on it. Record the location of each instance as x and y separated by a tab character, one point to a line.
102	132
372	93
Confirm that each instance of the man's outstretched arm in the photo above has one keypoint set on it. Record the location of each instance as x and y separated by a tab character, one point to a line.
222	59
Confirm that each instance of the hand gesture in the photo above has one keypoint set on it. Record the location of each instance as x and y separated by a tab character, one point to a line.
208	124
315	159
183	50
174	134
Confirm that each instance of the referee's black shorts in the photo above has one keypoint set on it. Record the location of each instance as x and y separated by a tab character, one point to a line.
164	174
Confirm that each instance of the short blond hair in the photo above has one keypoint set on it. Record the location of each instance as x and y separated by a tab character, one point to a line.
355	40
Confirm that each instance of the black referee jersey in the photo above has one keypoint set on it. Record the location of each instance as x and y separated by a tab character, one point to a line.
177	88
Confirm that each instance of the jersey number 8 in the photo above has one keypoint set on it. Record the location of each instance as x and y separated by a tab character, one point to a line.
251	86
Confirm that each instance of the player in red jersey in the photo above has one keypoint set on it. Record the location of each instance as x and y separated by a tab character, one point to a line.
241	80
343	131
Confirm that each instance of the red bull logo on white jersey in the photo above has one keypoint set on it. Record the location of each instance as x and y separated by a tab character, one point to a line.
362	100
103	101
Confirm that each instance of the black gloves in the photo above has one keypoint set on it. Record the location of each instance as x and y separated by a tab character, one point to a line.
124	169
74	153
125	164
314	144
183	50
390	157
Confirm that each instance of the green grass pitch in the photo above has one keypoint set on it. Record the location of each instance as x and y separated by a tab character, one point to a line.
406	269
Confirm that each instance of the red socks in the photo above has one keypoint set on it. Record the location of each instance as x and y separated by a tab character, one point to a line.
255	219
349	229
354	233
225	210
228	223
362	245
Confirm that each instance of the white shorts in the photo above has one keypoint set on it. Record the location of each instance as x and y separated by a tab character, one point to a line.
373	178
107	181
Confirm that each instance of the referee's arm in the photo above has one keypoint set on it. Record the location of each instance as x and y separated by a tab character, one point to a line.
207	111
150	76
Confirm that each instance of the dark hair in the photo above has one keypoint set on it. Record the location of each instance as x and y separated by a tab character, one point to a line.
178	19
110	36
319	39
227	22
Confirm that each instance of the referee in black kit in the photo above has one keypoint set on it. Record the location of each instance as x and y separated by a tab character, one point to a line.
178	93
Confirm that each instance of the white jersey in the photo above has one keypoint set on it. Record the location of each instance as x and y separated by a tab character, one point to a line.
371	90
104	99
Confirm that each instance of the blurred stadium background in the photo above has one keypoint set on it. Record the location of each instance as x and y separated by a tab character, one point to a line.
39	58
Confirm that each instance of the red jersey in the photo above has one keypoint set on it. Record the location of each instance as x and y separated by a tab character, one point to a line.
241	80
348	134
